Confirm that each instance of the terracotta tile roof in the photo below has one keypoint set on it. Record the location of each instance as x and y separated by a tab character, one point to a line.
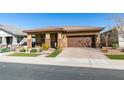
66	29
45	29
81	28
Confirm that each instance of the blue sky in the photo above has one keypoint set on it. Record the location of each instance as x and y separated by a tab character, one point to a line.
35	20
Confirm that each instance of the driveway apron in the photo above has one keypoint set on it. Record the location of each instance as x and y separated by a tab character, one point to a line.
92	55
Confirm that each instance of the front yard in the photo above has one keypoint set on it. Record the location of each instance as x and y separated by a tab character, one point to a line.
25	54
54	53
115	56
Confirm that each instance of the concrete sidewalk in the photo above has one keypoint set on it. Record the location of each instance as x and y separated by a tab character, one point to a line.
74	62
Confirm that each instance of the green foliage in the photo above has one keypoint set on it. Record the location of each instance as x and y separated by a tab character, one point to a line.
22	50
114	45
33	50
40	49
54	53
3	50
45	46
25	54
115	57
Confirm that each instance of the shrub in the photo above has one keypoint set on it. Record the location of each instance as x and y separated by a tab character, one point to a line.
114	46
33	50
3	50
45	46
22	50
40	49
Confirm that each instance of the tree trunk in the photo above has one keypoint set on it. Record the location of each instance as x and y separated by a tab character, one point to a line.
107	43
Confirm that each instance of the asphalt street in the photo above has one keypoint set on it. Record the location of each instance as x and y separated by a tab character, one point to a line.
17	71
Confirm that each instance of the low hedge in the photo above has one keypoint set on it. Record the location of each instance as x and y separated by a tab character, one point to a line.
22	50
33	50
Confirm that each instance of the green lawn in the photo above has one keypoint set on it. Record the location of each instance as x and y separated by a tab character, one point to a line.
54	53
25	54
115	57
3	50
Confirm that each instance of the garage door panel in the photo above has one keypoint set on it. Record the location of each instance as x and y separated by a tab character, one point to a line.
79	41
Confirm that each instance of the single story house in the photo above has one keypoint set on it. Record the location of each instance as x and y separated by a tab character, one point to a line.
11	36
113	38
66	36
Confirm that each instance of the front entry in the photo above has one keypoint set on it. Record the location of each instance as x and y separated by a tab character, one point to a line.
40	39
53	37
9	40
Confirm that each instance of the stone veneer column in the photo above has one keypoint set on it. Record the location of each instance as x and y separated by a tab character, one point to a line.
97	41
4	44
29	41
59	40
47	38
64	41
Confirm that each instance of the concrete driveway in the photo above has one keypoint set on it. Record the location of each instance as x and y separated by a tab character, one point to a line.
81	53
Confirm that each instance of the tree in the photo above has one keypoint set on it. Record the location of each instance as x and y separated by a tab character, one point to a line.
106	36
119	26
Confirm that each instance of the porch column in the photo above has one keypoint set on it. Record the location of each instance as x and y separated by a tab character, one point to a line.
59	40
97	41
3	44
14	40
64	41
29	41
47	39
14	43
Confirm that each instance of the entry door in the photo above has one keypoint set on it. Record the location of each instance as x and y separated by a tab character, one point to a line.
53	37
9	40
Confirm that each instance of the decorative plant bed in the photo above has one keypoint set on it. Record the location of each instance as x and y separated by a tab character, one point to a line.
25	54
115	56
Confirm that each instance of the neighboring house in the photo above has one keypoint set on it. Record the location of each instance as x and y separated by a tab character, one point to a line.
11	36
113	38
66	36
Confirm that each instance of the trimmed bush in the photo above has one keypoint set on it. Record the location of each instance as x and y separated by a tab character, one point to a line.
40	49
3	50
33	50
22	50
114	46
45	46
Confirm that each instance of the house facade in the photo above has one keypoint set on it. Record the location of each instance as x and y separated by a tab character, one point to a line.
11	36
113	38
66	36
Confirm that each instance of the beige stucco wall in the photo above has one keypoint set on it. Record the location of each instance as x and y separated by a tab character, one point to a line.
29	41
64	38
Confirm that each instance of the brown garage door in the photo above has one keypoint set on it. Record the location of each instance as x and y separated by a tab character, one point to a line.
79	41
